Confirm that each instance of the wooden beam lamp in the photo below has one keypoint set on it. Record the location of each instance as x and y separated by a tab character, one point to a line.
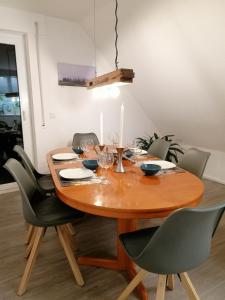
118	77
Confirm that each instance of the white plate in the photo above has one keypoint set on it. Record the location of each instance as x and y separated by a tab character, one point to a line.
138	151
64	156
76	173
143	152
162	163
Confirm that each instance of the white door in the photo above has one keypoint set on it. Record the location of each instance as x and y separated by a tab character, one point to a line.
18	41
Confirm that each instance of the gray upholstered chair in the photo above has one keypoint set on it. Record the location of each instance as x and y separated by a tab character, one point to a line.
81	138
44	182
180	244
159	148
42	212
194	161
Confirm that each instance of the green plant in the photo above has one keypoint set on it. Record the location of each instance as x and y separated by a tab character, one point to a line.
145	142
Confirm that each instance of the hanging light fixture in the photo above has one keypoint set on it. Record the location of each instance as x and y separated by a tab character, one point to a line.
118	77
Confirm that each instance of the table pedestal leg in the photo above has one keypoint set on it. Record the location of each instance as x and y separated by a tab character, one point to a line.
122	262
125	225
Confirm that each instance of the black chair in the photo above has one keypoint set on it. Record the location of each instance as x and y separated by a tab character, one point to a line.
194	161
159	148
45	182
85	138
180	244
42	212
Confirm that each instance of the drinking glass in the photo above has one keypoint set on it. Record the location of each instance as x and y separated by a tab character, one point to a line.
87	145
90	144
84	146
115	141
105	161
135	153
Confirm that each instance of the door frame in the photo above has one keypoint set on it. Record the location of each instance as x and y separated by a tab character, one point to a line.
18	40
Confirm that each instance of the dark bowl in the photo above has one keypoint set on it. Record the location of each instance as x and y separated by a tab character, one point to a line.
91	164
150	169
78	150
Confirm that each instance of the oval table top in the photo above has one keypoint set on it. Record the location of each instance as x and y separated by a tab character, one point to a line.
128	195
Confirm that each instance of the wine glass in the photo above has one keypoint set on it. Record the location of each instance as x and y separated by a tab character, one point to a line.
90	144
136	152
87	145
115	141
105	161
83	146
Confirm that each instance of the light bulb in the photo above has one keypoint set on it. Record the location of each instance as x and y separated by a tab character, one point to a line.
95	93
106	92
114	92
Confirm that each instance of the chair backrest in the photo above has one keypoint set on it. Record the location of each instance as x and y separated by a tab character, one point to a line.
81	138
194	161
182	242
25	160
27	186
159	148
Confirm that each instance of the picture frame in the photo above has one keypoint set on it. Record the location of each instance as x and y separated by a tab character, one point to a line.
74	75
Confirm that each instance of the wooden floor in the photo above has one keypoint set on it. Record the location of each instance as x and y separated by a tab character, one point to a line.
52	278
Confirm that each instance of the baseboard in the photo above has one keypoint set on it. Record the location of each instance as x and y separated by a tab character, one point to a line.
214	179
8	188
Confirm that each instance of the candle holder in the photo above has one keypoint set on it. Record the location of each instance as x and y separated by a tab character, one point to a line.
101	147
120	168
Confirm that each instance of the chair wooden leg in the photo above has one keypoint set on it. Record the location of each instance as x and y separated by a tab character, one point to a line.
31	261
70	238
188	286
132	285
71	229
170	282
31	242
161	286
29	233
69	254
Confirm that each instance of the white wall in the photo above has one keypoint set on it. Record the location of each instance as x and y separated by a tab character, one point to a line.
216	166
67	109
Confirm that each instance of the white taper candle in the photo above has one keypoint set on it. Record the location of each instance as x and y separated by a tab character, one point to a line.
121	125
101	128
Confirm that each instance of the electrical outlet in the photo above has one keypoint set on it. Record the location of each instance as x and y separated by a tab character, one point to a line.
52	115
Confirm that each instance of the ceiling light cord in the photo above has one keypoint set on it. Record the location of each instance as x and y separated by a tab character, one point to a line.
116	32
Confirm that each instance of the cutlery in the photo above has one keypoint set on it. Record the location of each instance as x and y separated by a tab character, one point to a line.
130	159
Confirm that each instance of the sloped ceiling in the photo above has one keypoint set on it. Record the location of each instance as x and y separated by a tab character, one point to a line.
177	49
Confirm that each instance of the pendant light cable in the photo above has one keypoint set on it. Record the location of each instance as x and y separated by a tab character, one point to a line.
116	33
118	76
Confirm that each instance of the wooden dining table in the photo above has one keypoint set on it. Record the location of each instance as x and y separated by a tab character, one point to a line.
128	197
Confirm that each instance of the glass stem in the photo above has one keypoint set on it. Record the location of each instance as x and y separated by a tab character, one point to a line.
106	174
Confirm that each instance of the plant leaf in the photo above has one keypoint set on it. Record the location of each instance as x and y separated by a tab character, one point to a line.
156	136
170	135
171	155
177	150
